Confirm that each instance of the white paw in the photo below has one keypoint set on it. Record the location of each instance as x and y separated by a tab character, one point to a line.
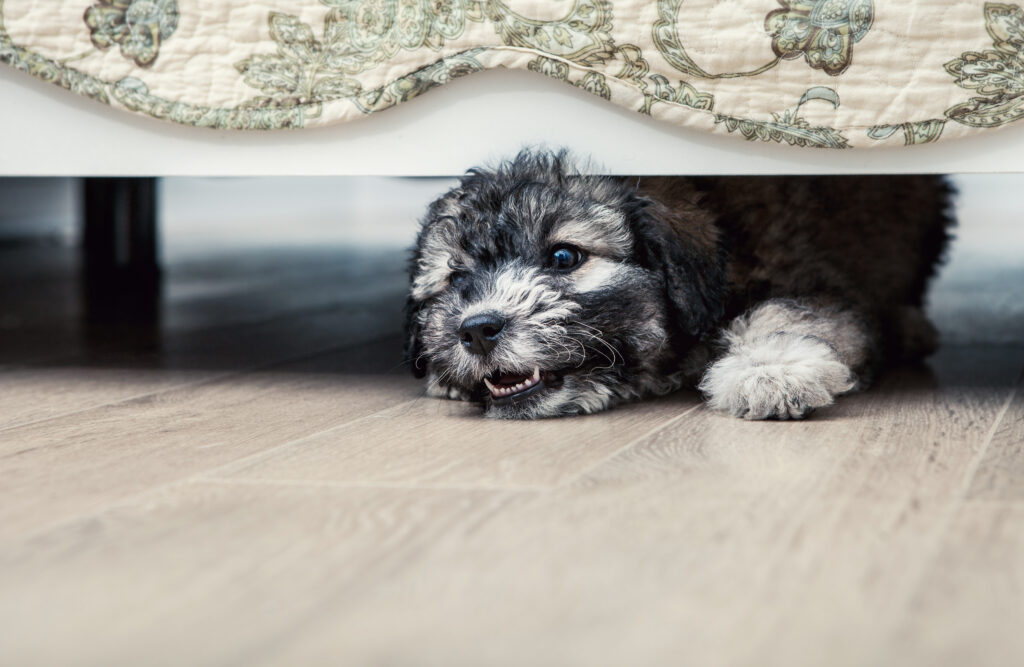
436	389
779	376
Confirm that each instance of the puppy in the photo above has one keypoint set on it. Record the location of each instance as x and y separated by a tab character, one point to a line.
539	291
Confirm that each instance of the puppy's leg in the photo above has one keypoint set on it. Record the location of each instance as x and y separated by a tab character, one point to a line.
784	358
438	389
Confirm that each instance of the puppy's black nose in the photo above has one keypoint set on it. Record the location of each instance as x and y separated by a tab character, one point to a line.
479	333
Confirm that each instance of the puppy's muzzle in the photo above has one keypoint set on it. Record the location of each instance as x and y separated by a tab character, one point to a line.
479	334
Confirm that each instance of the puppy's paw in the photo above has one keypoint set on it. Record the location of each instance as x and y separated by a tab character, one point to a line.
436	389
779	376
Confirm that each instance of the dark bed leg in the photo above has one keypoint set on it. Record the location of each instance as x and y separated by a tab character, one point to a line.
121	272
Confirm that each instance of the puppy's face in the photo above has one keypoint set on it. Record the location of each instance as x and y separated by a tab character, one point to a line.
541	293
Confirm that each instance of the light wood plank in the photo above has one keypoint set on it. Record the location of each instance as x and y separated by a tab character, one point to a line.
1000	474
64	467
200	574
969	606
35	394
431	442
854	556
711	542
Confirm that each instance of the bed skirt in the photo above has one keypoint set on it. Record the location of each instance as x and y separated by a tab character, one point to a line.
811	73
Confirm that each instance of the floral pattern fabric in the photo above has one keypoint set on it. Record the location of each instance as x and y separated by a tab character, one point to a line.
137	25
823	31
832	74
997	74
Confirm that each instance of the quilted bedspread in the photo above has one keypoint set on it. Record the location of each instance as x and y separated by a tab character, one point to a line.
815	73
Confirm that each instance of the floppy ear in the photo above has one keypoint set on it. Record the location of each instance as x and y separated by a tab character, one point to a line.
438	219
682	244
413	350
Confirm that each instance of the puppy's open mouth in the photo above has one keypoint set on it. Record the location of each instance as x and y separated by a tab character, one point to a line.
511	387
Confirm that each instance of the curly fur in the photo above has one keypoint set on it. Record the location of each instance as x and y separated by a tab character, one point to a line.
781	292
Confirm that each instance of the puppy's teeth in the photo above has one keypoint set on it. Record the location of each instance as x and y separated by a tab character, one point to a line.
501	390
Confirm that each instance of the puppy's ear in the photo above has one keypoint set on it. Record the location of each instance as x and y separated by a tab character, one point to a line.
680	240
428	265
413	351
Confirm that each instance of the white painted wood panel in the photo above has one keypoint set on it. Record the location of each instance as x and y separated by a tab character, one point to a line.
48	131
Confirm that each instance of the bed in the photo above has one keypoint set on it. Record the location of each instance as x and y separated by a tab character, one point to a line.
165	87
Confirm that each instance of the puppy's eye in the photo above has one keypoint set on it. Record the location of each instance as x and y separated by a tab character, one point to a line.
458	278
565	258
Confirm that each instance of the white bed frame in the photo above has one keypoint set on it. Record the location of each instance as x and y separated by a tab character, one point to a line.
46	131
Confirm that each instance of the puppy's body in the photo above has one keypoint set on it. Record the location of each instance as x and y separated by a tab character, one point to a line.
774	294
869	244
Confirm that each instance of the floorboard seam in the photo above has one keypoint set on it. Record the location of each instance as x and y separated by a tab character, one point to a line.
668	422
333	349
957	500
256	456
336	484
194	477
188	479
120	401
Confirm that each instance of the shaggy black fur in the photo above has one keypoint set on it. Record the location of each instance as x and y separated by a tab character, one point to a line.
667	263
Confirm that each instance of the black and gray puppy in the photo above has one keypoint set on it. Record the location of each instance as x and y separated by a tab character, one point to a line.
539	291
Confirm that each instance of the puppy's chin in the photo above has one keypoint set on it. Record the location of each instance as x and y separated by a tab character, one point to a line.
565	396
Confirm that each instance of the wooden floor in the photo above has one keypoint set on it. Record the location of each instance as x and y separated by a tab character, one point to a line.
257	481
